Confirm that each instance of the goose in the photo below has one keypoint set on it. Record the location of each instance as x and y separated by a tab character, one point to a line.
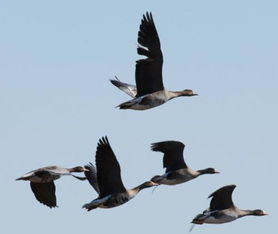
177	171
149	91
42	182
222	208
106	179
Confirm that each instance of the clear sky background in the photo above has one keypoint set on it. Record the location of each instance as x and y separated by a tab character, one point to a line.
56	59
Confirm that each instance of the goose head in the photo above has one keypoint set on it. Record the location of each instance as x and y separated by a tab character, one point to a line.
188	92
258	212
208	171
78	169
147	184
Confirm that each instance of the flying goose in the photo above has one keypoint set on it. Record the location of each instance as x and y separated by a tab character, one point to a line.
106	179
42	182
177	171
149	91
222	208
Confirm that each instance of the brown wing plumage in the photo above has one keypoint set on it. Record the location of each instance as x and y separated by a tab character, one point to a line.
222	198
45	193
148	72
173	154
108	170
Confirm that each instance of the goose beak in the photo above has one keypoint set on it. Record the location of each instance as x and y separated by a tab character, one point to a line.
264	213
217	172
195	94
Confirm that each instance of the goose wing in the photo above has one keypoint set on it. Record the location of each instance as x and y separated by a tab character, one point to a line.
173	154
45	193
127	88
91	176
222	198
108	170
148	71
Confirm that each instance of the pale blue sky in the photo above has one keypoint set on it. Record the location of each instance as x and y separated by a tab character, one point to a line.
56	102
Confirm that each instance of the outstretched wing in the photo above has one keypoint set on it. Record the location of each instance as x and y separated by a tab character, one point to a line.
173	154
148	72
222	198
127	88
91	176
108	170
45	193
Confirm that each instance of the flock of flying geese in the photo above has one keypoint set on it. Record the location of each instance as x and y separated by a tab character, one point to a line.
105	178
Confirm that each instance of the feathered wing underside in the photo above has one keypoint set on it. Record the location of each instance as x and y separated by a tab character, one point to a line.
45	193
108	170
127	88
91	176
222	198
173	154
148	72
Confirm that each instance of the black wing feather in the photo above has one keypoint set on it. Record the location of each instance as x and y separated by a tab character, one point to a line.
148	72
108	170
222	198
173	154
45	193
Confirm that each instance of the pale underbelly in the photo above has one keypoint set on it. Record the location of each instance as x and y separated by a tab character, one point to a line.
139	106
224	219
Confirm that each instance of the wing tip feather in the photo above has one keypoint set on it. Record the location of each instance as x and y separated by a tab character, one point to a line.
231	187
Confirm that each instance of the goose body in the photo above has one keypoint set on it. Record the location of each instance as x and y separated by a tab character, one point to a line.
176	177
42	182
222	208
146	102
113	200
216	217
149	91
177	171
106	179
